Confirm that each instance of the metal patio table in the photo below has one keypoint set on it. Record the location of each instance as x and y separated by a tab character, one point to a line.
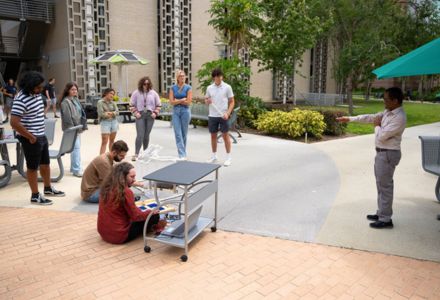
6	163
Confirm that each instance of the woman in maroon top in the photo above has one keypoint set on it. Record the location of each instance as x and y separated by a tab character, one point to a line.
119	219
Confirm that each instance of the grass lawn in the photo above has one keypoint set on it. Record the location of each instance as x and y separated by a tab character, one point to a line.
416	113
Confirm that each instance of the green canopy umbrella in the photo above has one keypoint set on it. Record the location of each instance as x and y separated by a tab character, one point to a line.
119	58
424	60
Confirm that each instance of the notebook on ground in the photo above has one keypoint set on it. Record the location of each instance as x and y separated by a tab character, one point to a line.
177	228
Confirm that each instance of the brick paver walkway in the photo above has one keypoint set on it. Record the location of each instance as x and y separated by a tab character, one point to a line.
48	254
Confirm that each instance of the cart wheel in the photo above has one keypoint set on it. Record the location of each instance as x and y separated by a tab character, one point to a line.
147	249
213	229
96	121
184	258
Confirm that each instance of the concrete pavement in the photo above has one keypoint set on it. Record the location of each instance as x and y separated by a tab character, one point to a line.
317	192
48	254
416	231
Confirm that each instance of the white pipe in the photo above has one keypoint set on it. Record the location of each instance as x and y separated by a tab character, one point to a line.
217	109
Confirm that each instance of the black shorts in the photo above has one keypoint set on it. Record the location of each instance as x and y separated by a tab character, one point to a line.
44	99
218	123
36	154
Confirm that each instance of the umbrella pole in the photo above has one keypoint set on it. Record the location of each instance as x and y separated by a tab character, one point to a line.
120	79
126	82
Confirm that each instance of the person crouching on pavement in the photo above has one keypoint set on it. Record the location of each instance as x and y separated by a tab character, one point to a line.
98	169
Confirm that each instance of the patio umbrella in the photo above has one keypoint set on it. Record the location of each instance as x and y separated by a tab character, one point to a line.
424	60
119	58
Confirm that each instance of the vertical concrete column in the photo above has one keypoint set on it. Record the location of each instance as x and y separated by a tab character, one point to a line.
177	34
90	46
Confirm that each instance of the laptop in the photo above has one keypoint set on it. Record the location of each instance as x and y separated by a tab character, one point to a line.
177	228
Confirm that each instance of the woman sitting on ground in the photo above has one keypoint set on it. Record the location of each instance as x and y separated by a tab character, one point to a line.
119	219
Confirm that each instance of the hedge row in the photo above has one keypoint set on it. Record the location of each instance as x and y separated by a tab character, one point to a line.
296	123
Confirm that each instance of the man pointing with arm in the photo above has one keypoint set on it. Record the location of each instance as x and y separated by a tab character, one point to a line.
388	128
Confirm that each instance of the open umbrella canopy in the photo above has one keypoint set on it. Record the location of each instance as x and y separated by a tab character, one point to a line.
119	57
424	60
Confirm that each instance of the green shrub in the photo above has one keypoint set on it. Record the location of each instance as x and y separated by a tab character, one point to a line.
292	124
251	108
333	127
199	122
432	96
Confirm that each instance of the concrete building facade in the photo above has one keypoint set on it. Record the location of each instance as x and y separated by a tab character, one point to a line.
170	34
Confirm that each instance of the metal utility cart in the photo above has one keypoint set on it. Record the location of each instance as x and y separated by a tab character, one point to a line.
188	176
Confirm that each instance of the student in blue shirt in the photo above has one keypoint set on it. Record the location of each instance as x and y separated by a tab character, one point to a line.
180	97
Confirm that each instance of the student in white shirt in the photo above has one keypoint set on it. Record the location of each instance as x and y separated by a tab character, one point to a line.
388	127
220	98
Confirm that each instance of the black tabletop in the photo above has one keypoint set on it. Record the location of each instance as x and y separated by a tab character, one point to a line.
182	172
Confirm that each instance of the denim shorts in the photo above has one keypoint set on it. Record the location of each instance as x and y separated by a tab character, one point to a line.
53	101
109	126
9	101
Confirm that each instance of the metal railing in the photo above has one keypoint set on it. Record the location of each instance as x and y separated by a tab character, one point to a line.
35	10
9	45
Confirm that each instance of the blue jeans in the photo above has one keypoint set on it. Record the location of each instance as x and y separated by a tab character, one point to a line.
181	119
94	198
75	157
143	129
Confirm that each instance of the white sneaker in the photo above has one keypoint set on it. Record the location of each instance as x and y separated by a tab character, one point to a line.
212	160
182	159
227	162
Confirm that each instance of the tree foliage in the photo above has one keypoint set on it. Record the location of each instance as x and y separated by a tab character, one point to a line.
419	25
288	29
363	36
236	21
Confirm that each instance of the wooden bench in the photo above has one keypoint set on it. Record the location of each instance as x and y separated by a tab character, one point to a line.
200	111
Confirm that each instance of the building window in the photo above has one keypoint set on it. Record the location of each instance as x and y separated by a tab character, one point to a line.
174	41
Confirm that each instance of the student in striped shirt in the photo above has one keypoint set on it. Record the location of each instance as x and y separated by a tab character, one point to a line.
27	119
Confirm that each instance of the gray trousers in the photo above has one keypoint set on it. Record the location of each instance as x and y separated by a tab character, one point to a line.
143	129
384	165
